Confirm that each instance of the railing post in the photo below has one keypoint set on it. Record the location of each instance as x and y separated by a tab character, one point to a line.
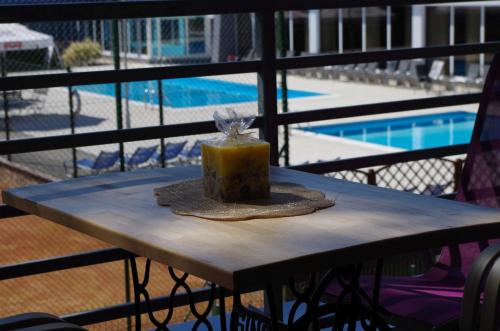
266	81
119	126
118	87
160	104
72	126
3	65
285	149
457	175
371	177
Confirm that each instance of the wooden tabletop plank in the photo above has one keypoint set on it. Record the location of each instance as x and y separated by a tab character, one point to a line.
366	222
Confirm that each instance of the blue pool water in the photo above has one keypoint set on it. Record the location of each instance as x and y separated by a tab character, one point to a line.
190	92
416	132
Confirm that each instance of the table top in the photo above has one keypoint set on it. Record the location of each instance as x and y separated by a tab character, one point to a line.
366	222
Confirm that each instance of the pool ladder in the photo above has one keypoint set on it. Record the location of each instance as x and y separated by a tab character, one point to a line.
149	98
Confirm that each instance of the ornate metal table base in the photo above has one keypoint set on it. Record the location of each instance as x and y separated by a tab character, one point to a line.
352	306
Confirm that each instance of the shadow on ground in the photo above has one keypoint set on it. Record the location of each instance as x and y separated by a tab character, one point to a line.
47	122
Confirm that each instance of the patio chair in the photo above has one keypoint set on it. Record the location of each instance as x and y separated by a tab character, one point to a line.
435	74
104	161
141	156
470	78
36	322
191	155
358	72
170	152
346	70
432	301
39	98
388	72
399	75
371	72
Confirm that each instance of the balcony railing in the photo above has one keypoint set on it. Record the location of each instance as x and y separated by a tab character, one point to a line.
369	169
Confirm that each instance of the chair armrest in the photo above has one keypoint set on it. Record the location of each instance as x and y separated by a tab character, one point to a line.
480	270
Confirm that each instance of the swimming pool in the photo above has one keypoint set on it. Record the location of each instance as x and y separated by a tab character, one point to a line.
415	132
189	92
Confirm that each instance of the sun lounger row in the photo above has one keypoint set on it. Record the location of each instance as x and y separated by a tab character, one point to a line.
411	73
142	157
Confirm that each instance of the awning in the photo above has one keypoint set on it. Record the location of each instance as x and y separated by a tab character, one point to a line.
17	37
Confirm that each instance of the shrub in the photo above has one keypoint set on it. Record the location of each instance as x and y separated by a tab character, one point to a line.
81	53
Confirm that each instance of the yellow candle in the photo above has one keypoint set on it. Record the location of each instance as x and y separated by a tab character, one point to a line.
236	172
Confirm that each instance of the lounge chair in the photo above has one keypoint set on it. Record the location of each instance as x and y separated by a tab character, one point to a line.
104	161
435	74
345	72
170	152
141	156
192	154
388	72
358	72
469	79
400	74
371	73
432	301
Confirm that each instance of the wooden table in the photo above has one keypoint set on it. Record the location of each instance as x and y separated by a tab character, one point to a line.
366	222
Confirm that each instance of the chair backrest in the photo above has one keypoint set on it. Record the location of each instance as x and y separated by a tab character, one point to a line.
480	182
141	155
472	71
105	160
404	66
195	150
391	66
173	149
436	69
371	67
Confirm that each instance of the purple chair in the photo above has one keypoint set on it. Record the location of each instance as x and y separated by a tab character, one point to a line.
432	301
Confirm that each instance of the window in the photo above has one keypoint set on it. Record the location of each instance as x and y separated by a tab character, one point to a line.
169	29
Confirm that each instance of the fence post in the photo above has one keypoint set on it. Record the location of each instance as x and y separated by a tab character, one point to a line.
285	150
371	177
266	82
119	125
3	66
72	126
160	104
118	87
458	164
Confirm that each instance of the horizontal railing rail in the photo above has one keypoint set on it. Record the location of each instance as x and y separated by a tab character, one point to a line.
381	159
196	70
138	9
62	263
176	130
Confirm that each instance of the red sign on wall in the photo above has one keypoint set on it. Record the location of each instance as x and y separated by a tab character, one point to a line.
13	45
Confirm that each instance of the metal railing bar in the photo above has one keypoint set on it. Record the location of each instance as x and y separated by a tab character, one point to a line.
125	9
377	108
385	55
8	211
142	9
175	130
123	310
104	137
197	70
126	75
62	263
381	159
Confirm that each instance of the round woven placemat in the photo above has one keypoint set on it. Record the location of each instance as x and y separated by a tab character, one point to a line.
287	199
